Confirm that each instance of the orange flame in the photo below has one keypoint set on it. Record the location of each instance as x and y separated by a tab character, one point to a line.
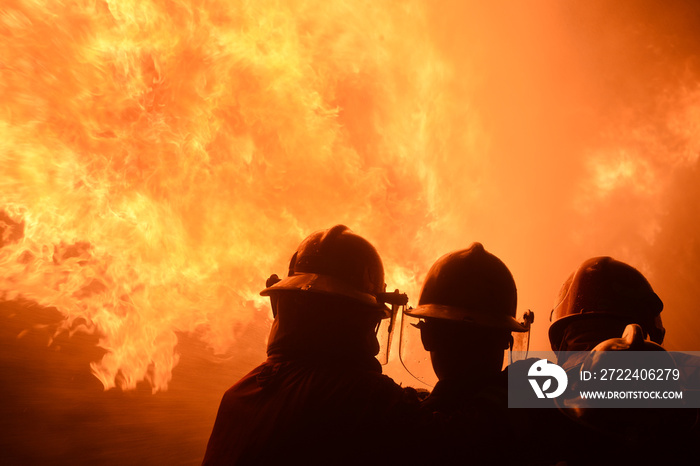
165	158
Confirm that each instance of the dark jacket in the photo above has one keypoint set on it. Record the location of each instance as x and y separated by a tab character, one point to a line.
310	411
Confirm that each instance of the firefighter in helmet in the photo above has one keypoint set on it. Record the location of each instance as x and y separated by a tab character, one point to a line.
320	397
598	301
467	311
608	306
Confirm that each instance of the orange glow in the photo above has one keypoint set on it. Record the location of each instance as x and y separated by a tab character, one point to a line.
165	160
166	157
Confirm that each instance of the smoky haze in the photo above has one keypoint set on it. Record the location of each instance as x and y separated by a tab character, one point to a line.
591	113
549	131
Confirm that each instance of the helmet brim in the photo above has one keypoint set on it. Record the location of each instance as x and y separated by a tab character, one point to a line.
558	327
325	284
439	311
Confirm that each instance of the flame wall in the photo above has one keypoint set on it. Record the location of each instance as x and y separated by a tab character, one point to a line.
158	160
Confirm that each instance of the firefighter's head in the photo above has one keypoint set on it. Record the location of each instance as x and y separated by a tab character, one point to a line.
598	301
331	296
467	309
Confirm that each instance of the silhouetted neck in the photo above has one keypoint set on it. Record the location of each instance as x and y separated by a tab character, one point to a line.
322	332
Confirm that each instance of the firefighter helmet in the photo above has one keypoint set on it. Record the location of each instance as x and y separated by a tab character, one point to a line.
336	262
472	286
604	287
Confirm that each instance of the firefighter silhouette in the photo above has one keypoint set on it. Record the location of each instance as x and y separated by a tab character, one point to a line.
467	309
320	397
606	305
598	301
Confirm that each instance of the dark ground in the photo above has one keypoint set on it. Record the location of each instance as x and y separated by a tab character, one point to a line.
54	411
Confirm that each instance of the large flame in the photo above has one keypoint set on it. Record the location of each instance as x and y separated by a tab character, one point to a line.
164	160
159	159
